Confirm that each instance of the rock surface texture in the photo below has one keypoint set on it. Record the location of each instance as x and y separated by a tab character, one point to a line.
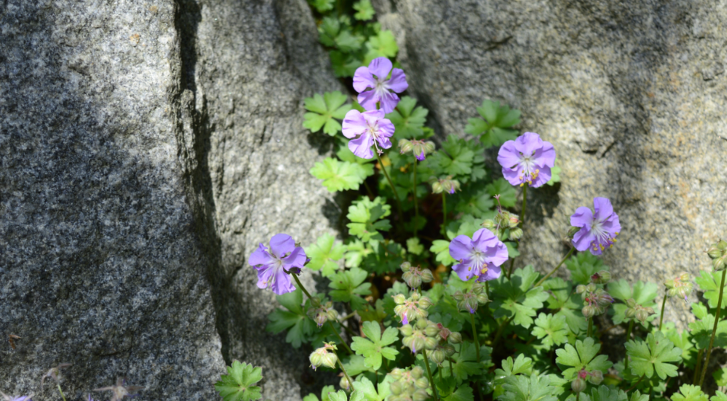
631	93
145	148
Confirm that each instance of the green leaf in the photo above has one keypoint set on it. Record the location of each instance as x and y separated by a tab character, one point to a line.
374	347
237	384
365	387
324	254
701	330
494	130
689	393
413	246
652	355
466	361
643	293
294	319
323	112
381	45
551	329
355	365
567	303
321	5
344	64
324	394
516	298
554	174
364	215
364	10
523	388
441	249
408	121
356	251
520	366
348	285
719	396
476	202
463	393
605	393
504	189
339	396
709	283
338	175
583	265
455	157
583	356
374	313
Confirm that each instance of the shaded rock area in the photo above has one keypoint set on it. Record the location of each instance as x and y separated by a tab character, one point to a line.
631	94
145	148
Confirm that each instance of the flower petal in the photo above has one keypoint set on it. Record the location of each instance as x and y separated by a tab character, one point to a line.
508	155
397	83
583	239
612	225
583	217
388	100
362	79
493	272
354	124
513	176
545	156
497	254
528	143
482	238
602	208
282	285
380	67
368	99
264	275
260	256
282	244
361	146
460	248
386	128
542	178
464	271
295	259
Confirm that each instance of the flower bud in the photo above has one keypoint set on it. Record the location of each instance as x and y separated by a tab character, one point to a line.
680	286
399	299
596	377
396	387
420	395
321	357
455	337
458	296
430	342
417	372
415	296
448	349
437	356
578	385
513	221
425	302
488	224
422	383
572	232
315	360
427	275
411	279
397	373
589	311
421	324
406	330
483	299
516	234
405	146
437	187
722	244
329	360
580	289
405	266
602	277
431	331
345	384
719	264
714	252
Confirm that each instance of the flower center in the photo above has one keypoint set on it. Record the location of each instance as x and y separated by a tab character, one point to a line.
478	259
381	86
603	237
529	172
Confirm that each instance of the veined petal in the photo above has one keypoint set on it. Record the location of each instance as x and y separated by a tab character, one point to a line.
497	255
386	127
460	248
528	142
464	270
361	146
542	178
260	256
368	99
295	259
354	124
482	238
508	155
380	67
545	156
264	275
282	285
493	272
384	142
388	100
397	83
583	239
373	117
583	217
602	208
612	225
513	176
281	244
362	79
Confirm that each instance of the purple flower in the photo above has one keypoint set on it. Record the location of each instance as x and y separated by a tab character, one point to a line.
366	129
528	159
273	267
18	398
598	230
480	256
374	77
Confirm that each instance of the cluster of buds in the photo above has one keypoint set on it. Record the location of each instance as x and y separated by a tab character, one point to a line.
421	335
718	253
469	300
415	276
412	308
322	313
323	356
417	147
440	354
504	225
408	385
597	300
444	185
638	312
579	383
680	286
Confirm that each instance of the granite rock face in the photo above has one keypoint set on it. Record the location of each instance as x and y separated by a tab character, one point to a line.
145	148
631	93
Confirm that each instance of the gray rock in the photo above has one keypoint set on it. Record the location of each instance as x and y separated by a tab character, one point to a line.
630	93
145	148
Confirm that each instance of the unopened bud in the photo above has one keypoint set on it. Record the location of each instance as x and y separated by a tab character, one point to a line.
406	330
417	372
345	384
430	342
431	331
580	289
488	224
405	146
425	302
422	383
437	356
602	277
714	252
516	234
427	275
399	299
420	395
422	324
397	373
719	264
722	244
578	385
455	337
596	377
572	232
513	221
396	387
405	266
458	296
589	311
483	299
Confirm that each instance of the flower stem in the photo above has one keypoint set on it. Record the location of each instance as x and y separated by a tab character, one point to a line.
635	384
396	195
487	289
714	330
556	268
522	213
316	303
61	391
628	338
350	382
512	264
700	354
661	318
474	332
416	206
500	330
429	373
444	213
590	326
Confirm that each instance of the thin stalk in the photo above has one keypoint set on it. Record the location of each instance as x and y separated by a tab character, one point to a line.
661	318
700	354
429	373
368	190
556	268
416	204
316	302
714	330
522	213
444	212
451	369
635	384
590	326
628	338
440	374
500	329
350	382
578	394
396	195
487	289
61	391
477	340
512	264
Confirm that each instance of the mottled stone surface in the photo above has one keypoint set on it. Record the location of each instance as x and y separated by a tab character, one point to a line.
631	93
145	148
